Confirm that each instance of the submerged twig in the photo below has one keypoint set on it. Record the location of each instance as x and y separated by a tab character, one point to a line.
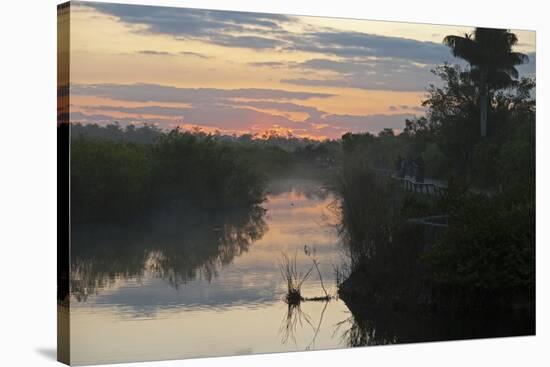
312	343
320	277
311	254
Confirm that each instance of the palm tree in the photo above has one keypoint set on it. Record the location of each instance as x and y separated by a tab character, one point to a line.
492	61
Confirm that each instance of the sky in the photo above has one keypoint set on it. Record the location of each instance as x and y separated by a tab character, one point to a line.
240	73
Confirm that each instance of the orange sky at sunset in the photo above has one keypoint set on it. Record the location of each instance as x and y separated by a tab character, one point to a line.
248	73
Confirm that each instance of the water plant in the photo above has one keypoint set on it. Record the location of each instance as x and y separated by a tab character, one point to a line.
294	279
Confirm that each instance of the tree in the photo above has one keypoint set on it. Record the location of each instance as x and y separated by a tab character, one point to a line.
492	61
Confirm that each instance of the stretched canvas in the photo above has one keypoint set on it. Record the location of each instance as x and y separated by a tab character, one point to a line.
234	183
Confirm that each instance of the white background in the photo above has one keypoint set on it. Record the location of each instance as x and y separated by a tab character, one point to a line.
28	182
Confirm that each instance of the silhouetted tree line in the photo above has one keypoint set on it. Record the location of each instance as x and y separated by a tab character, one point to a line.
448	139
118	173
144	134
119	179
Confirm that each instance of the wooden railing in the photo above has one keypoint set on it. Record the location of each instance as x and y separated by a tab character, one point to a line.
430	189
411	185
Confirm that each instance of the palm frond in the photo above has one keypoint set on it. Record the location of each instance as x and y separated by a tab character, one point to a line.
511	38
500	79
510	70
517	58
462	47
490	49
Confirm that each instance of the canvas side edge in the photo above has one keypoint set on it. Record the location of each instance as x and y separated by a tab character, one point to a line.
63	181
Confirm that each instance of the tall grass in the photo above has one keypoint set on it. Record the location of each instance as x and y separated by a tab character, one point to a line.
294	278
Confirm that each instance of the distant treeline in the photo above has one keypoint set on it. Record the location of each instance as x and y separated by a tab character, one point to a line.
149	133
121	172
119	179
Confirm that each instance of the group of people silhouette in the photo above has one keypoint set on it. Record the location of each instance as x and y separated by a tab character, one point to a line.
409	167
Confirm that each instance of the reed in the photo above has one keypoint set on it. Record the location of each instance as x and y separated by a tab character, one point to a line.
294	279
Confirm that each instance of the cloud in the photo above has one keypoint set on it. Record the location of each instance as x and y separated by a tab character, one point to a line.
360	82
358	44
381	74
236	109
267	31
360	123
224	117
403	107
166	53
233	118
377	73
179	111
236	119
281	106
142	92
270	64
367	61
194	54
155	53
105	118
253	42
225	28
190	23
142	110
226	110
234	115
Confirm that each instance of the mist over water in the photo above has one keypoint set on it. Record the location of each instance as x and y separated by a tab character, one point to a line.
190	286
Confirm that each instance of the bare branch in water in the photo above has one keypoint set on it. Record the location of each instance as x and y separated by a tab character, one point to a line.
312	343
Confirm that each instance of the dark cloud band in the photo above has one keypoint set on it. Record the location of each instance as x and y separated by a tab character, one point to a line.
142	92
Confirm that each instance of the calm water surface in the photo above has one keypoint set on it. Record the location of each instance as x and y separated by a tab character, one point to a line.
198	287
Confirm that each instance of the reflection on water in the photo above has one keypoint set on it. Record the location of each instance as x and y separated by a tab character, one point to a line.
176	247
189	285
377	326
193	285
295	319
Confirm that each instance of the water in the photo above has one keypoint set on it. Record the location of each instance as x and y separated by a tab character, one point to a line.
193	286
200	285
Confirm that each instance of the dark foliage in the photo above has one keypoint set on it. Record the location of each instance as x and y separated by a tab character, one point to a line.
488	253
485	260
114	179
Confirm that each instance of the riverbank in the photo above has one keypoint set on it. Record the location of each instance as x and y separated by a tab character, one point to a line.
376	324
413	310
481	261
419	294
364	288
